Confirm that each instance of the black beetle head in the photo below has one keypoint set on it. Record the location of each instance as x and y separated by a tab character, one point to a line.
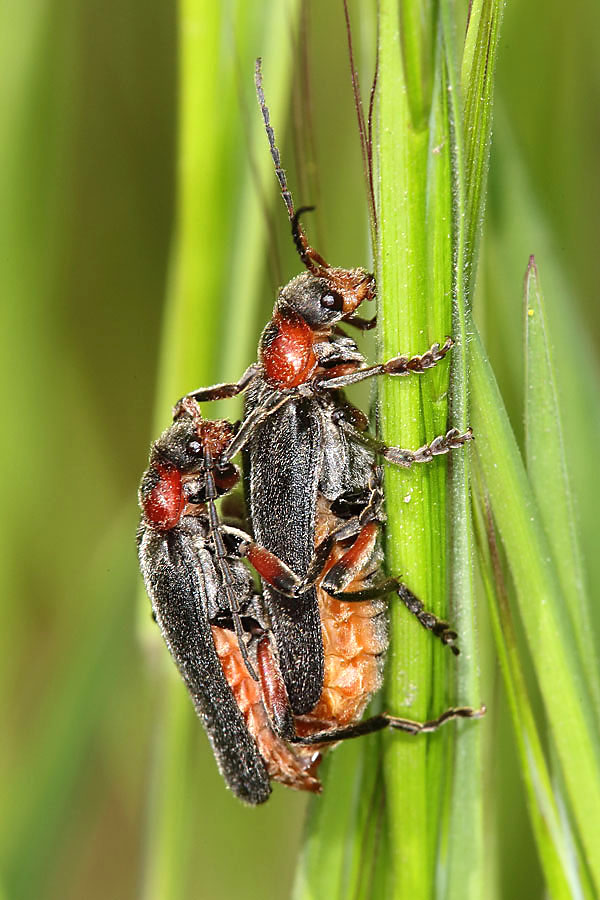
179	447
329	298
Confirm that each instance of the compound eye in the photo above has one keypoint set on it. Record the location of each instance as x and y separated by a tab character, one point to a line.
333	301
195	448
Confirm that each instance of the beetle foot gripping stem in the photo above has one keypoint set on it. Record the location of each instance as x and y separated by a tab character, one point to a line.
440	445
397	366
404	365
438	627
428	620
455	712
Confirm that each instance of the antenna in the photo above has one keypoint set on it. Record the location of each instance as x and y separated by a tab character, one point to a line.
313	261
214	525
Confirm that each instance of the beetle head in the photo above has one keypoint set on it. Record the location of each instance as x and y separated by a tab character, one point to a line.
324	299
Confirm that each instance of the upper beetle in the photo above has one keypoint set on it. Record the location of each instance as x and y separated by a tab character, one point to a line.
300	437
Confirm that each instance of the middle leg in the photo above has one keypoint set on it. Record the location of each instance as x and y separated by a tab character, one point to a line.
345	570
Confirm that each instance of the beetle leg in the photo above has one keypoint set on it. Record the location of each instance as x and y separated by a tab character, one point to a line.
398	365
378	723
276	704
218	391
272	569
361	323
276	573
354	560
428	620
443	443
274	693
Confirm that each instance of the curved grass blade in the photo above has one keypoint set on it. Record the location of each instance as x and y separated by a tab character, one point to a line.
548	474
477	79
559	673
564	872
518	226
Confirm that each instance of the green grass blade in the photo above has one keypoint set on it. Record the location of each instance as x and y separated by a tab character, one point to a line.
169	836
517	227
195	274
477	78
250	247
331	864
218	256
547	469
198	250
559	675
403	156
462	874
563	873
418	38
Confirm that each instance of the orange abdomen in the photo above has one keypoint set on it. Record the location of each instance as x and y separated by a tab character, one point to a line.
282	762
355	637
355	640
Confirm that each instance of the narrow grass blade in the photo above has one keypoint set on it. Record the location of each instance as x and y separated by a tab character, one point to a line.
418	37
548	474
464	874
402	318
477	78
195	273
250	249
518	227
564	874
559	674
169	839
200	217
331	864
218	256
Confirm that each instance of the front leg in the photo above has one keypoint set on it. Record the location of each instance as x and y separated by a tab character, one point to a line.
399	365
270	568
217	391
275	572
360	527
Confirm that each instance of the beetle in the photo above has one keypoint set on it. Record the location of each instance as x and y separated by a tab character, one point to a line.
216	627
302	440
203	599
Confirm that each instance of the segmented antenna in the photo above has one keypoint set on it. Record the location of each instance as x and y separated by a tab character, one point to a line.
313	261
285	192
214	525
365	131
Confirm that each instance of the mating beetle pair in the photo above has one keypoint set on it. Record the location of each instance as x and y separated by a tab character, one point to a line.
278	675
217	628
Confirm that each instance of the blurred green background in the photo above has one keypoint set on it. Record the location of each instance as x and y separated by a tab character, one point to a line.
88	172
